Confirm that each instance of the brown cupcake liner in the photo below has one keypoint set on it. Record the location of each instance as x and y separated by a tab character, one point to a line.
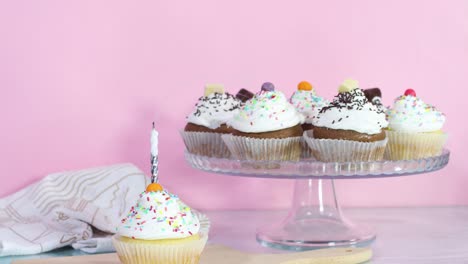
205	144
336	150
261	149
408	146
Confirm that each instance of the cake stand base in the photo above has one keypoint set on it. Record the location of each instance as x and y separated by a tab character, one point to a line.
314	221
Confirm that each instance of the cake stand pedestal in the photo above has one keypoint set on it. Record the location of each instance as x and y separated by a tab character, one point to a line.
315	219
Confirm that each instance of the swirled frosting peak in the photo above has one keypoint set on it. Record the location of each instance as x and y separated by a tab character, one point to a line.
214	110
266	111
410	114
350	110
307	102
159	214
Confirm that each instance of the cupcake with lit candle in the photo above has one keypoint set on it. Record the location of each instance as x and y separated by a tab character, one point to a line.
207	122
307	103
160	228
415	129
267	127
350	128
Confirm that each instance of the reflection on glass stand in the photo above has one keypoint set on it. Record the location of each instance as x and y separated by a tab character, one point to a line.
315	219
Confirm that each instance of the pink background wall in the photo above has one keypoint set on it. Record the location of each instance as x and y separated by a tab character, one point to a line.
81	82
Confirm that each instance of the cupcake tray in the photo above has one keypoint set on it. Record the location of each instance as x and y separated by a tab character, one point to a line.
315	219
310	168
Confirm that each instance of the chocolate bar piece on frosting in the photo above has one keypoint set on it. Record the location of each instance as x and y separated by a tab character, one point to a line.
244	95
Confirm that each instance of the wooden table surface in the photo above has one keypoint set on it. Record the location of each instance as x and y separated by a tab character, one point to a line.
404	235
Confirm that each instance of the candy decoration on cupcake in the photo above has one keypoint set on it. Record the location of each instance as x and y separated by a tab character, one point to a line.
244	95
268	87
374	95
410	92
213	88
304	86
154	187
348	85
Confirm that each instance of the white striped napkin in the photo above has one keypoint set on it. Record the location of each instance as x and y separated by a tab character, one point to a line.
61	210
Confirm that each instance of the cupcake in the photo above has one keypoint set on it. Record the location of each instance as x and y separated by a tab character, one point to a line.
207	122
267	127
349	129
160	228
415	129
307	103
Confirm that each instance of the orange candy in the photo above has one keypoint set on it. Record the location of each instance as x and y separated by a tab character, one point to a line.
154	187
304	86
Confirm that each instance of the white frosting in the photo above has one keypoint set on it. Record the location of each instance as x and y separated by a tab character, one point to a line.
377	101
308	104
266	111
352	111
410	114
159	215
214	110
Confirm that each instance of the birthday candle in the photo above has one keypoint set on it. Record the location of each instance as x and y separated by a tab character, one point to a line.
154	155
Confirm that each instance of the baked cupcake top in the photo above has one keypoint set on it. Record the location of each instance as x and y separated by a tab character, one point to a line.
410	114
350	110
159	214
267	111
307	102
215	108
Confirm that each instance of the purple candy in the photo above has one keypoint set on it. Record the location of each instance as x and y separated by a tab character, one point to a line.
268	87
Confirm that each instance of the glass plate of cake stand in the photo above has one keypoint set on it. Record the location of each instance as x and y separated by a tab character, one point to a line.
315	219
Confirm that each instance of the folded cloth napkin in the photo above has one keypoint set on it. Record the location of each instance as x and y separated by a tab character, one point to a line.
65	208
95	245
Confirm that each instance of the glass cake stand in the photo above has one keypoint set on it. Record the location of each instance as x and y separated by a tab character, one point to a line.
315	219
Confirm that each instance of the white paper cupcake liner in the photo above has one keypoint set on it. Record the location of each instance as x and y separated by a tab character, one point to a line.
336	150
306	152
205	144
135	251
407	146
140	252
205	223
260	149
